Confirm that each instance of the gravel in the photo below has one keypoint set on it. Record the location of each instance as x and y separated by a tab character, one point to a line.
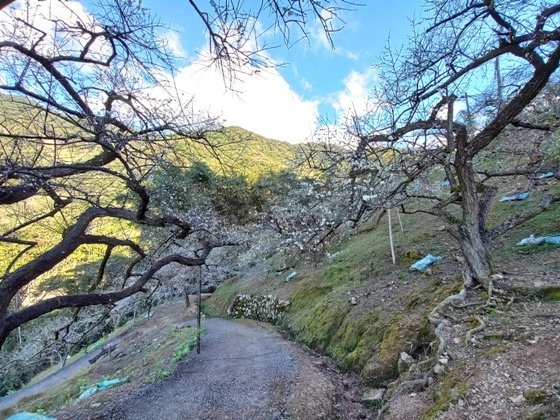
241	373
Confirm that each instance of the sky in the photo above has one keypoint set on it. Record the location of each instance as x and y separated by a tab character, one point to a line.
313	84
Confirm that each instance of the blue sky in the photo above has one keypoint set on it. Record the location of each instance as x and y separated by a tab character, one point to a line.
315	82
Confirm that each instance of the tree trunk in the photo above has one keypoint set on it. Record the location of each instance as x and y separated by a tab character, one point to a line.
470	234
477	257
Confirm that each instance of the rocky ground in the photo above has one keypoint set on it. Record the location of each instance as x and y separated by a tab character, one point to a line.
510	366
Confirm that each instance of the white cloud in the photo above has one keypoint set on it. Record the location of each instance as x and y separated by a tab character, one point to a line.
173	42
355	97
261	101
319	40
50	18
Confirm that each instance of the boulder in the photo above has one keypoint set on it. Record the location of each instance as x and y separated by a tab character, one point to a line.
373	398
405	362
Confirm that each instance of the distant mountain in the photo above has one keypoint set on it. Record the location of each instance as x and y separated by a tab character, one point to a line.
238	151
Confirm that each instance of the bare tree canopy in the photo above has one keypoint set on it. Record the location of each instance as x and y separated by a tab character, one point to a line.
469	78
82	126
88	110
235	29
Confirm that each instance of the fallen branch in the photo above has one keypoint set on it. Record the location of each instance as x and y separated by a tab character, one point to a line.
105	350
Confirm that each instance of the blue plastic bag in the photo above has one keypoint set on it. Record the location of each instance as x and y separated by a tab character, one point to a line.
424	262
290	277
547	175
515	197
553	239
101	386
29	416
532	240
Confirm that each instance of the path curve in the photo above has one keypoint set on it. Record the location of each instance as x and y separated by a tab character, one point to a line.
242	373
55	379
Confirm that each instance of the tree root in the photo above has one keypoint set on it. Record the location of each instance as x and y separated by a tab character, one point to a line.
434	317
421	381
481	325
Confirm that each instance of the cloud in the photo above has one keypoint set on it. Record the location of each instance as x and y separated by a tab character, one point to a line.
50	18
258	100
355	97
173	42
319	39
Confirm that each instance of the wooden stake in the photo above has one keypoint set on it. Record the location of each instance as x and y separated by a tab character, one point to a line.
400	221
199	311
391	236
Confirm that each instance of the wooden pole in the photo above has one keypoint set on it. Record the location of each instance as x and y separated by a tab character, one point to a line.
400	221
199	310
391	236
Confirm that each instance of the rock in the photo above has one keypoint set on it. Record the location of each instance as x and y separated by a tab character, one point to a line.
438	369
262	308
209	288
517	400
405	362
443	360
373	397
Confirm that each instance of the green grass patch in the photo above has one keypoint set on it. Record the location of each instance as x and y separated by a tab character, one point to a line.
186	345
221	299
448	388
550	294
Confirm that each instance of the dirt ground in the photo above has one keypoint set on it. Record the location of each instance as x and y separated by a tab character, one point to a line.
245	370
510	369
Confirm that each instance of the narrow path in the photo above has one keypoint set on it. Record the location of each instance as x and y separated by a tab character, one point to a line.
242	373
53	380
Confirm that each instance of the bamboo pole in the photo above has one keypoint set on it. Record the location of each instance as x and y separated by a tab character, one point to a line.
391	236
199	310
400	221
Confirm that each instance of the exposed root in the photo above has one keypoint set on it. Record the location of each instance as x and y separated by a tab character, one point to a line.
421	381
481	325
434	317
490	289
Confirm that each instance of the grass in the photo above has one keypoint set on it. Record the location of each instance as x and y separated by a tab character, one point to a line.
448	388
367	337
150	353
186	345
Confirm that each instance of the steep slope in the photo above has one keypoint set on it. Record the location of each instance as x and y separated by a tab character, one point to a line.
365	312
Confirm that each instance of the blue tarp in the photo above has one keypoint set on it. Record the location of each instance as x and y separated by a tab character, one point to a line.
101	386
547	175
290	277
424	262
532	240
28	416
515	197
